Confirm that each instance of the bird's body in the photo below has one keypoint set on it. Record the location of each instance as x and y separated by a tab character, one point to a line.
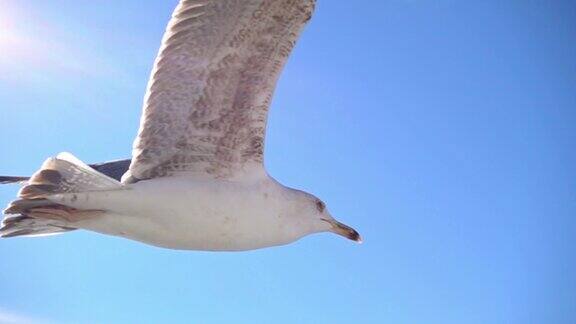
196	179
183	213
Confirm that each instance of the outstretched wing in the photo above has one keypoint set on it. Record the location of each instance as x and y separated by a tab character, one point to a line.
206	106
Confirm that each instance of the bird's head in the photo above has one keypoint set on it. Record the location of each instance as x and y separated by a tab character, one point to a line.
326	223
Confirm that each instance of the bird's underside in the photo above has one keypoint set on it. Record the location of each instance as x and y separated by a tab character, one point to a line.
169	212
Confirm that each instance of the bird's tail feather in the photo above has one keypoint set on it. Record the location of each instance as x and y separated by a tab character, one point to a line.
21	225
34	214
65	174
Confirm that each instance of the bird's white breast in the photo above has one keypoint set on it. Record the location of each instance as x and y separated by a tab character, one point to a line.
182	213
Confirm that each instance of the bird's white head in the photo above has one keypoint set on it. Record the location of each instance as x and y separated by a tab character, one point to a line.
322	220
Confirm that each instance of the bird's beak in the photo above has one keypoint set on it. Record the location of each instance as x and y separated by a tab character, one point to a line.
344	230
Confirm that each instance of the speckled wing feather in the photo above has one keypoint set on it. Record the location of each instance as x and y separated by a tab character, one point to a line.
206	106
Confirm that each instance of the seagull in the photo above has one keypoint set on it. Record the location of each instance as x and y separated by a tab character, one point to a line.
196	180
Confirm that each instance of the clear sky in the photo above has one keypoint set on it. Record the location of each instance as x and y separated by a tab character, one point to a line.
442	130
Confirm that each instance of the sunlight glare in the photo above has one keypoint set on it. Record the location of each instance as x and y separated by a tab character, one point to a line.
26	47
9	36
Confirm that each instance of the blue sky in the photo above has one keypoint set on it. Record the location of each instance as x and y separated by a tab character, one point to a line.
442	130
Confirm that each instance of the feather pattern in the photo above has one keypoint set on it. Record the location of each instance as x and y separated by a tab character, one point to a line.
207	101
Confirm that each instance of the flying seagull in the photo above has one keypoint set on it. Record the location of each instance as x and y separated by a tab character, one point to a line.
196	180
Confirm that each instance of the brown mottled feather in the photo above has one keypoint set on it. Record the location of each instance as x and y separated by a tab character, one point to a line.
206	106
35	214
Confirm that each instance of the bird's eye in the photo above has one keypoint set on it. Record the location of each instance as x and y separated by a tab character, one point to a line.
320	206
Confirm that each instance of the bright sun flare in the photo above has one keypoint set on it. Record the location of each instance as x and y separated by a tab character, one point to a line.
8	34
